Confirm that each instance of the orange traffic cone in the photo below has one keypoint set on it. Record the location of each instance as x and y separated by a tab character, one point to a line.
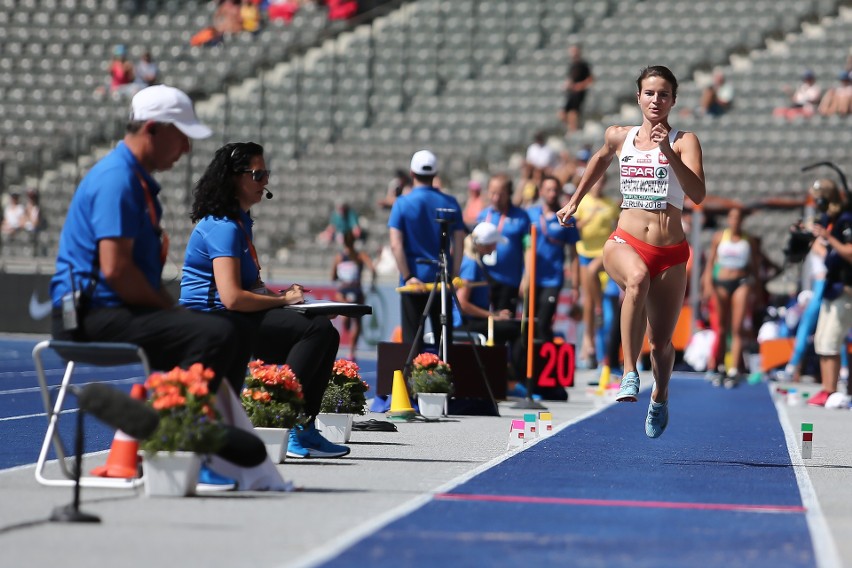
123	459
400	408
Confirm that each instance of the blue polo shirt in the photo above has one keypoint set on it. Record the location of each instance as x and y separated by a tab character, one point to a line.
215	237
551	238
515	226
415	216
109	203
470	271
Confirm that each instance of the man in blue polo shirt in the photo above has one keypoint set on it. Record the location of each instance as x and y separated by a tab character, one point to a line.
552	238
506	265
107	285
415	238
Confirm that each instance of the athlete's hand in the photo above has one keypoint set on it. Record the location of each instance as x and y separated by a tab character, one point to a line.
660	135
565	215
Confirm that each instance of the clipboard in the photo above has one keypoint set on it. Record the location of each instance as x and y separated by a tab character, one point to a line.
329	308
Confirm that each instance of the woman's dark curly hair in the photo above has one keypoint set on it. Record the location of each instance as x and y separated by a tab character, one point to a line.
216	192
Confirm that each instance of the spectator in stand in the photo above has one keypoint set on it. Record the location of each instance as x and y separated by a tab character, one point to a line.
146	71
528	183
506	264
552	240
348	271
398	185
804	99
283	9
730	277
14	215
33	220
577	83
474	204
595	218
838	99
717	98
121	75
227	20
541	157
250	16
343	220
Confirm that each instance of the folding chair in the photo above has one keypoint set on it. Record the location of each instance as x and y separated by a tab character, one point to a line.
102	355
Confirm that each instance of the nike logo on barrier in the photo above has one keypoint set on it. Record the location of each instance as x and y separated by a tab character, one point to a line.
39	310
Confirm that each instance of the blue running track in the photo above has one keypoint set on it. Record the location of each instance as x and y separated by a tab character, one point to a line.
717	489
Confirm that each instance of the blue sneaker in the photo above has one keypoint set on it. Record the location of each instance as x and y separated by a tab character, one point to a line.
209	480
306	442
629	388
658	419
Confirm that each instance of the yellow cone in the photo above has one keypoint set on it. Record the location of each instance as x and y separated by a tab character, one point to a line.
603	382
400	403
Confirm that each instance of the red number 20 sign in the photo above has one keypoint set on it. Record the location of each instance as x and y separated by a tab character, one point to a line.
556	362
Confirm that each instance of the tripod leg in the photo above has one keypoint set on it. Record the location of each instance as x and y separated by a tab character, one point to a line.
415	345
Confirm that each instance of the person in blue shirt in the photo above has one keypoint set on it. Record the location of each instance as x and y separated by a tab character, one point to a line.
506	264
415	239
552	239
111	255
474	308
221	275
112	249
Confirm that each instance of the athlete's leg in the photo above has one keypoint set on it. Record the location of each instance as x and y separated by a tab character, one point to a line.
723	318
626	267
665	301
739	309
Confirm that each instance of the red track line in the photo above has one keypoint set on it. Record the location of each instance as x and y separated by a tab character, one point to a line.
623	503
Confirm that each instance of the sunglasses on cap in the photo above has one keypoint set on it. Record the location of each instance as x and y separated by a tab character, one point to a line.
257	175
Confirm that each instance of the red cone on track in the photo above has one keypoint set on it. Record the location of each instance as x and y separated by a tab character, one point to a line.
123	459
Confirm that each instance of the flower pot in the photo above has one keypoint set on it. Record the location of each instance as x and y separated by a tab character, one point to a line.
432	404
171	474
335	427
275	440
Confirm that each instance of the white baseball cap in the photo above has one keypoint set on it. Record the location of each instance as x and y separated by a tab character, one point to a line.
424	163
167	104
487	234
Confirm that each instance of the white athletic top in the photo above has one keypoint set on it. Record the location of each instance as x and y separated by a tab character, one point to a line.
731	254
647	181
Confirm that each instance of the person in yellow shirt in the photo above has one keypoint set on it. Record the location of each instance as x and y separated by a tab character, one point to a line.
596	218
250	15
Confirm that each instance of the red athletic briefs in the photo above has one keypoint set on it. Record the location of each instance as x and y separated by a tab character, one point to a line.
657	259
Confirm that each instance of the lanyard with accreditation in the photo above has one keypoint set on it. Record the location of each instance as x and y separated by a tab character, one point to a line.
152	213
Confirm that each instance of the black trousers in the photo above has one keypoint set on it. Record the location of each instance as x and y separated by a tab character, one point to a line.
546	302
308	344
504	297
172	338
411	310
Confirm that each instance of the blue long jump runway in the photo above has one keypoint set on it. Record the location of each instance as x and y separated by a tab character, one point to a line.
717	489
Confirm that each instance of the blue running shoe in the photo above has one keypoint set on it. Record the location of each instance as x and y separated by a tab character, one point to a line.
658	419
629	388
306	442
209	480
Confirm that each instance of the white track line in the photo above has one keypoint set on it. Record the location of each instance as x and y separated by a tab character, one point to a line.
824	548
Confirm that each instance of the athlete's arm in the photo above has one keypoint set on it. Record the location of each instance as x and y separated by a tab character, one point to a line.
687	164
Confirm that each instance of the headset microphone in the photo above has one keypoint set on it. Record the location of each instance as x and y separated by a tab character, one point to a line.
268	193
